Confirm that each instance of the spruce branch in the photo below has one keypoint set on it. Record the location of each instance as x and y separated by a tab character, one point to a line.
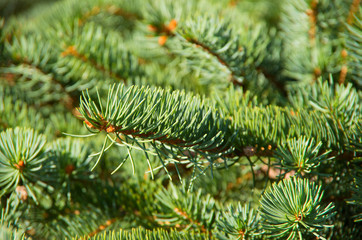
33	66
21	158
291	209
353	46
15	112
143	234
109	9
187	210
173	122
238	55
240	223
72	51
7	228
356	199
72	161
355	5
301	155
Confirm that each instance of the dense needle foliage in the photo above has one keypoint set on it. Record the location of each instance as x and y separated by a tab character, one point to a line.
180	119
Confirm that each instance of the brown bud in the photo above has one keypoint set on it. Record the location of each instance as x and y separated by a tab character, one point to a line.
152	28
249	151
317	71
172	25
110	129
162	40
69	169
20	165
344	53
22	193
88	124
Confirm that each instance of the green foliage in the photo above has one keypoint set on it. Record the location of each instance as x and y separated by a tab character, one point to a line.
240	223
187	210
7	231
357	175
291	209
192	115
21	157
180	127
353	44
143	234
301	155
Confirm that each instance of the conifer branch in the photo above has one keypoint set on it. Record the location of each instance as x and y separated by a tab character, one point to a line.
72	51
192	221
100	228
272	79
229	144
312	14
350	19
353	9
219	58
111	9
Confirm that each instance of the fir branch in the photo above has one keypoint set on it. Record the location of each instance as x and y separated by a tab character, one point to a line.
353	46
110	9
30	60
25	69
72	51
353	9
350	19
272	79
100	228
239	223
312	13
233	74
178	120
186	210
189	219
155	234
21	158
291	209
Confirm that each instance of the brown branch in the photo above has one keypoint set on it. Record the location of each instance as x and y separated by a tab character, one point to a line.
312	14
72	51
233	3
344	69
353	9
258	151
111	9
192	221
233	75
100	228
69	101
343	74
271	78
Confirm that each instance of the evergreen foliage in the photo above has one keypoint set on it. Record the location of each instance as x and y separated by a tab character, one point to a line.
181	119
